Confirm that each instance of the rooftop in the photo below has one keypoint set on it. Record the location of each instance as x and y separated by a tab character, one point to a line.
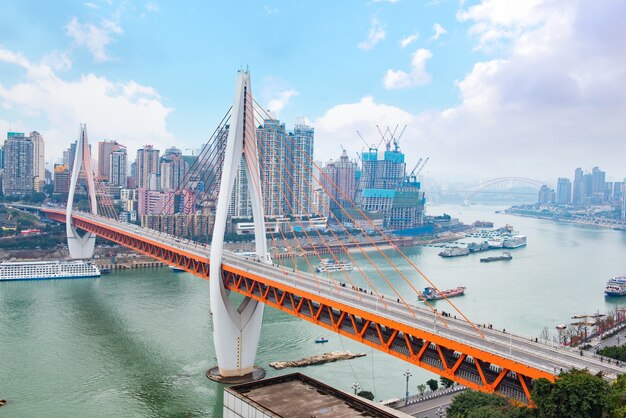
299	396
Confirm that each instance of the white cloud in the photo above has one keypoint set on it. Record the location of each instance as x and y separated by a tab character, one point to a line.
374	36
409	39
277	103
418	76
339	124
554	98
126	111
439	30
152	7
94	38
385	1
58	61
92	6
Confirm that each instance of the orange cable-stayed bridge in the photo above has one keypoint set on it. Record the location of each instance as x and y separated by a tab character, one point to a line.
372	304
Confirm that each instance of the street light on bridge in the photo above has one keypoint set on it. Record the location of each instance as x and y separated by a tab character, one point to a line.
356	387
407	374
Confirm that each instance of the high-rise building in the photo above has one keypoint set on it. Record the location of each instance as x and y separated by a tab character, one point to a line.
563	191
118	164
148	168
546	195
598	187
273	156
39	161
18	175
618	186
173	169
105	148
61	178
624	200
301	168
339	180
577	195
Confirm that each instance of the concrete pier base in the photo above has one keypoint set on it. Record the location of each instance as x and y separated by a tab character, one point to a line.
213	373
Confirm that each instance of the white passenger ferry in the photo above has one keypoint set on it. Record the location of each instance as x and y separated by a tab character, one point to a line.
515	241
327	265
616	286
41	270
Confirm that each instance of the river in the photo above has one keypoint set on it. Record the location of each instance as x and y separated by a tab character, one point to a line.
137	343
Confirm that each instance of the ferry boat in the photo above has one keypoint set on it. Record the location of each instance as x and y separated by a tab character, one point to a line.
176	269
515	241
616	286
497	242
454	252
42	270
327	265
430	293
504	257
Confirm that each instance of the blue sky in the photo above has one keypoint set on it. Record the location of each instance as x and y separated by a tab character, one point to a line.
487	88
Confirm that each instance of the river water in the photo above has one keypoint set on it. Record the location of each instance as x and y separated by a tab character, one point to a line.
138	343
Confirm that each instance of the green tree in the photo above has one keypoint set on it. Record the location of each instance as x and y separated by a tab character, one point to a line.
366	394
477	403
445	382
575	394
617	398
432	384
615	352
421	388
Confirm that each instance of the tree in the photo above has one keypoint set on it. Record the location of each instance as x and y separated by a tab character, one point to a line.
432	384
366	394
575	394
445	382
477	403
421	388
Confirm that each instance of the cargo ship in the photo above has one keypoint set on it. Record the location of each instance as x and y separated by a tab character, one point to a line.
42	270
327	265
504	257
616	286
430	293
454	252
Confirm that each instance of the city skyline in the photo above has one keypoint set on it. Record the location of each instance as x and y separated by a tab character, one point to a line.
472	81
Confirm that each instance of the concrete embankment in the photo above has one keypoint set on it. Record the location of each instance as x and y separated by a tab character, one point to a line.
313	360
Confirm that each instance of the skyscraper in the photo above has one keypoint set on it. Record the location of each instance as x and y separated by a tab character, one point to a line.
118	164
546	195
301	168
598	186
18	175
173	169
577	196
148	167
105	148
563	191
273	162
39	161
340	180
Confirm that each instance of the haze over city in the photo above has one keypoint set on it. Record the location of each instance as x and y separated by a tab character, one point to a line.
489	88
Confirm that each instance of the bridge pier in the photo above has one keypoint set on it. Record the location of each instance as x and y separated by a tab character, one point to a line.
236	330
81	246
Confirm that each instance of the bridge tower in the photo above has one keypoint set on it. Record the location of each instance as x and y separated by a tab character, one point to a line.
81	246
236	330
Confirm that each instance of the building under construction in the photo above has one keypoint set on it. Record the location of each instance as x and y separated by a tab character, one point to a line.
386	188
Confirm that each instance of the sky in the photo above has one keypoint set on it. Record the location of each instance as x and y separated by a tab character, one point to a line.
487	89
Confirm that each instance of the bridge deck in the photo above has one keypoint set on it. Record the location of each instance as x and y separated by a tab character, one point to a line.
402	333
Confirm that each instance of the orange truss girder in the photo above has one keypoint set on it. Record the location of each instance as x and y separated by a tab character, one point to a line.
464	364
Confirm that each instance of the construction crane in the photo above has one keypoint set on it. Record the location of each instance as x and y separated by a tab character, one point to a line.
419	170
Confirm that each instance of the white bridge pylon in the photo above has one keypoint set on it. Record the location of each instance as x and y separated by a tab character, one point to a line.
81	246
236	331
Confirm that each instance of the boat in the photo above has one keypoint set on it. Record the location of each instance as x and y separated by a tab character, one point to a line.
430	293
483	224
327	265
42	270
454	252
105	270
616	286
474	247
176	269
496	242
504	257
514	241
321	340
